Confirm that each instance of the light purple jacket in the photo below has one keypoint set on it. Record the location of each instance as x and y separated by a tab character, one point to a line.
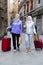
16	26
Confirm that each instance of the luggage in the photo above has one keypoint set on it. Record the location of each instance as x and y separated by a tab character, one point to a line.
20	40
36	37
38	44
6	44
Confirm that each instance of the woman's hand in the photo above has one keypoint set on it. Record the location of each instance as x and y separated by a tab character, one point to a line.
24	26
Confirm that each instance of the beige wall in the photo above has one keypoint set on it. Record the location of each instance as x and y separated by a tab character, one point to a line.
16	6
37	4
12	9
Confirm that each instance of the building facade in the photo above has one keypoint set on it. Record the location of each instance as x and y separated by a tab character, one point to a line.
33	8
8	9
12	9
3	17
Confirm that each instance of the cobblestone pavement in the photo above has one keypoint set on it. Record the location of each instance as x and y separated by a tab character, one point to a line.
21	58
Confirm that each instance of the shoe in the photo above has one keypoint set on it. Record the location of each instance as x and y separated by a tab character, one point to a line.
28	50
14	50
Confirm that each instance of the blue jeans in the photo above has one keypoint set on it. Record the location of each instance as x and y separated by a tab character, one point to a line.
28	40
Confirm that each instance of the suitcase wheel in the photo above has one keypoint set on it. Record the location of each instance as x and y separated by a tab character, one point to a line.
41	48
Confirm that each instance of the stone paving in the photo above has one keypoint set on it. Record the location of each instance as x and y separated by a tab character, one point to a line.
21	58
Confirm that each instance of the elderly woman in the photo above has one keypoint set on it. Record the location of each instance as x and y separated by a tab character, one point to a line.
16	30
30	31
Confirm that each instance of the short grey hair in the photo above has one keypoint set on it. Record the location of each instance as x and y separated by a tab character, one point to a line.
18	15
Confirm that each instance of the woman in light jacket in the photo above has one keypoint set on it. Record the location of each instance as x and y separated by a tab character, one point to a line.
16	30
30	31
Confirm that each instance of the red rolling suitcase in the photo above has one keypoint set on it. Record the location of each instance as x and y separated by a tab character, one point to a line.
38	44
6	44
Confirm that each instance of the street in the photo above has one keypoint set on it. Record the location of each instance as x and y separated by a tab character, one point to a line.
16	17
21	58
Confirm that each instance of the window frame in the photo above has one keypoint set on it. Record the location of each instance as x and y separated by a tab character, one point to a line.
39	1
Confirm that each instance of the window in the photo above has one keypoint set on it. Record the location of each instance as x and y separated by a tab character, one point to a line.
24	9
31	8
38	1
28	6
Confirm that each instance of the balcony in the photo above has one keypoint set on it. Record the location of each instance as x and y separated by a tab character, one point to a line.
21	3
37	11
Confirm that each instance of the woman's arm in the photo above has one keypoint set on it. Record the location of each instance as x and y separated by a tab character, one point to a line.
21	27
34	29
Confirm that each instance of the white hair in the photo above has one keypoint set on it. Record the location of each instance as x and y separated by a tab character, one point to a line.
17	15
30	17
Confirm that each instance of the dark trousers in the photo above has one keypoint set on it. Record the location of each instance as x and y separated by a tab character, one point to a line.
15	37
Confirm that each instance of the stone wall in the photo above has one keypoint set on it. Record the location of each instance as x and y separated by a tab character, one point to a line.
3	17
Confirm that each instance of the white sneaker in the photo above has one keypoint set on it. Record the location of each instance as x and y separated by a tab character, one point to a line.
14	50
